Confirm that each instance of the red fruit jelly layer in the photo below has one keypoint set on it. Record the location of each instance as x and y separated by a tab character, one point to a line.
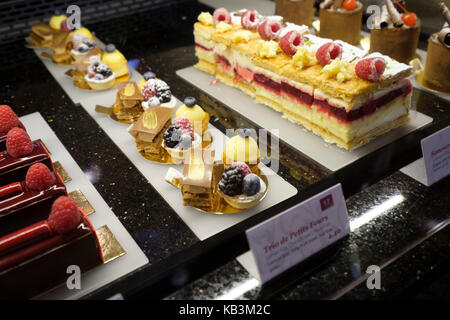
203	47
296	93
14	169
267	83
4	135
226	65
21	207
41	265
366	109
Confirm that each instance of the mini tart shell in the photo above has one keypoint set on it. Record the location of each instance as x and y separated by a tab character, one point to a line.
178	155
103	85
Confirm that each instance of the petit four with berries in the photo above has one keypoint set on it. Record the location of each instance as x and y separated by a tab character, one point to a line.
19	155
242	148
8	120
196	115
99	75
35	258
149	131
197	186
127	107
241	188
437	67
29	201
81	46
156	92
298	12
396	32
180	138
341	20
116	61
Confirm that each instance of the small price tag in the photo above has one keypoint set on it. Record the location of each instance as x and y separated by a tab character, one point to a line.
297	233
436	154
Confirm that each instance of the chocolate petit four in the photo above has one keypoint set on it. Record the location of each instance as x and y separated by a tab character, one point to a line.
396	32
197	187
19	155
35	258
341	20
149	130
437	67
296	11
127	107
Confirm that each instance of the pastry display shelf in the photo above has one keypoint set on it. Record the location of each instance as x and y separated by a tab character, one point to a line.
133	258
164	275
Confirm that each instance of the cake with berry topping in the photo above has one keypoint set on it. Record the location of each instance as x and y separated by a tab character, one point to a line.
396	32
26	202
127	107
197	186
116	61
149	131
194	113
8	120
296	11
437	66
81	45
99	75
156	92
35	258
335	14
179	138
19	155
239	187
330	87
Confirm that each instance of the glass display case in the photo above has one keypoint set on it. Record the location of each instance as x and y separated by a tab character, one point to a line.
165	250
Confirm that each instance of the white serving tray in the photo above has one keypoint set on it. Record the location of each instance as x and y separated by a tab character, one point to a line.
204	225
329	155
134	258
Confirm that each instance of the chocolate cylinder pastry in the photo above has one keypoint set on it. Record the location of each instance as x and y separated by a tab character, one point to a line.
296	11
437	66
341	24
398	43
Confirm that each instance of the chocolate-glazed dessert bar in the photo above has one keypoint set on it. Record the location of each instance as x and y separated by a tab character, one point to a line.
13	169
36	258
21	206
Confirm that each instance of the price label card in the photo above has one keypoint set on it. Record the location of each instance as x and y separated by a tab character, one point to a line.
436	154
297	233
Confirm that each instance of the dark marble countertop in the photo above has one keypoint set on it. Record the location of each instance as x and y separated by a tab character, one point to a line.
162	40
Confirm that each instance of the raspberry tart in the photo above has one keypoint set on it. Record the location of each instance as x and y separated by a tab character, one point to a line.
99	75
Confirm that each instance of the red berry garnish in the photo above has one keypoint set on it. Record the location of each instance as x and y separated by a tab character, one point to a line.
185	125
18	143
65	215
410	19
370	69
39	177
245	168
148	89
349	4
65	27
269	29
290	42
8	119
327	52
250	19
221	14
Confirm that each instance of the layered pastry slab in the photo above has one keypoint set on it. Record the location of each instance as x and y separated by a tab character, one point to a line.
348	99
